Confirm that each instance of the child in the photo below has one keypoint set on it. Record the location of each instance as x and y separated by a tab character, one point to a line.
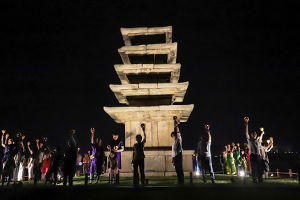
112	167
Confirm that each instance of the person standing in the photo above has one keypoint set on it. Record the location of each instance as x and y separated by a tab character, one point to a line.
69	165
56	159
8	158
86	162
205	154
112	167
138	157
96	158
1	154
117	147
254	143
177	152
78	163
39	161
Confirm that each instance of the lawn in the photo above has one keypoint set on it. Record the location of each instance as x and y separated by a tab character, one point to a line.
158	188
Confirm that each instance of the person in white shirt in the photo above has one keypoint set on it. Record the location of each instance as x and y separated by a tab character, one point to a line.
254	143
204	154
177	152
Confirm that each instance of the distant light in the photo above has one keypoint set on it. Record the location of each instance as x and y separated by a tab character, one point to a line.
272	174
197	173
242	173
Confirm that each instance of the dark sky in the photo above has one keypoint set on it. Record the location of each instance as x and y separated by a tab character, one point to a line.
241	58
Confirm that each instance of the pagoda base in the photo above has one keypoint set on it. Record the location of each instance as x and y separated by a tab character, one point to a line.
157	163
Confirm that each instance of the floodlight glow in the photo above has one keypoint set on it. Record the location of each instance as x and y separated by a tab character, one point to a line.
197	173
242	173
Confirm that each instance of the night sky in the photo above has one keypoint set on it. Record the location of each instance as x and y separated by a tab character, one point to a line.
240	58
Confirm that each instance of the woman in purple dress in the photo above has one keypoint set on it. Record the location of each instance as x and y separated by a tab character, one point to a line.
96	157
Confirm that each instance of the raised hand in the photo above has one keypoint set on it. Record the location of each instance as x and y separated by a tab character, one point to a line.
28	143
7	135
37	140
23	137
93	130
143	126
116	148
175	121
246	119
3	132
207	127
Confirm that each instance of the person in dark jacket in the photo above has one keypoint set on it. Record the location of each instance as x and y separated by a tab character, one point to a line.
138	157
56	160
69	165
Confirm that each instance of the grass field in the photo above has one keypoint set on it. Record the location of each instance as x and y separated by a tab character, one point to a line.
171	181
158	188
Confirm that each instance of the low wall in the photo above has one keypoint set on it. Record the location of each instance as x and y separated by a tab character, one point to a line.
157	163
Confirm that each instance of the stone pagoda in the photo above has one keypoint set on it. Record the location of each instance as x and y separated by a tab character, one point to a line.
149	76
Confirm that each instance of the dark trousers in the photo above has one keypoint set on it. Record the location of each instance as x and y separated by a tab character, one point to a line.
178	167
206	162
68	173
256	167
52	170
37	171
141	165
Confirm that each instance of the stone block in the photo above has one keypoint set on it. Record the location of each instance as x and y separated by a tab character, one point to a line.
155	134
147	85
163	136
128	134
155	162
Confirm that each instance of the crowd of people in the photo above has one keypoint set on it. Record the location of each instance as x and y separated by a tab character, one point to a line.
237	160
45	163
21	161
41	162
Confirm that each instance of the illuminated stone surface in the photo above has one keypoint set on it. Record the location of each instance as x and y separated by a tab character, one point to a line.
149	86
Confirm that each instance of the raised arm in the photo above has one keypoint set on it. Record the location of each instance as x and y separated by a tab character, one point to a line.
2	140
262	134
207	127
269	147
246	119
37	144
176	128
73	142
28	146
93	135
22	145
46	145
143	128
